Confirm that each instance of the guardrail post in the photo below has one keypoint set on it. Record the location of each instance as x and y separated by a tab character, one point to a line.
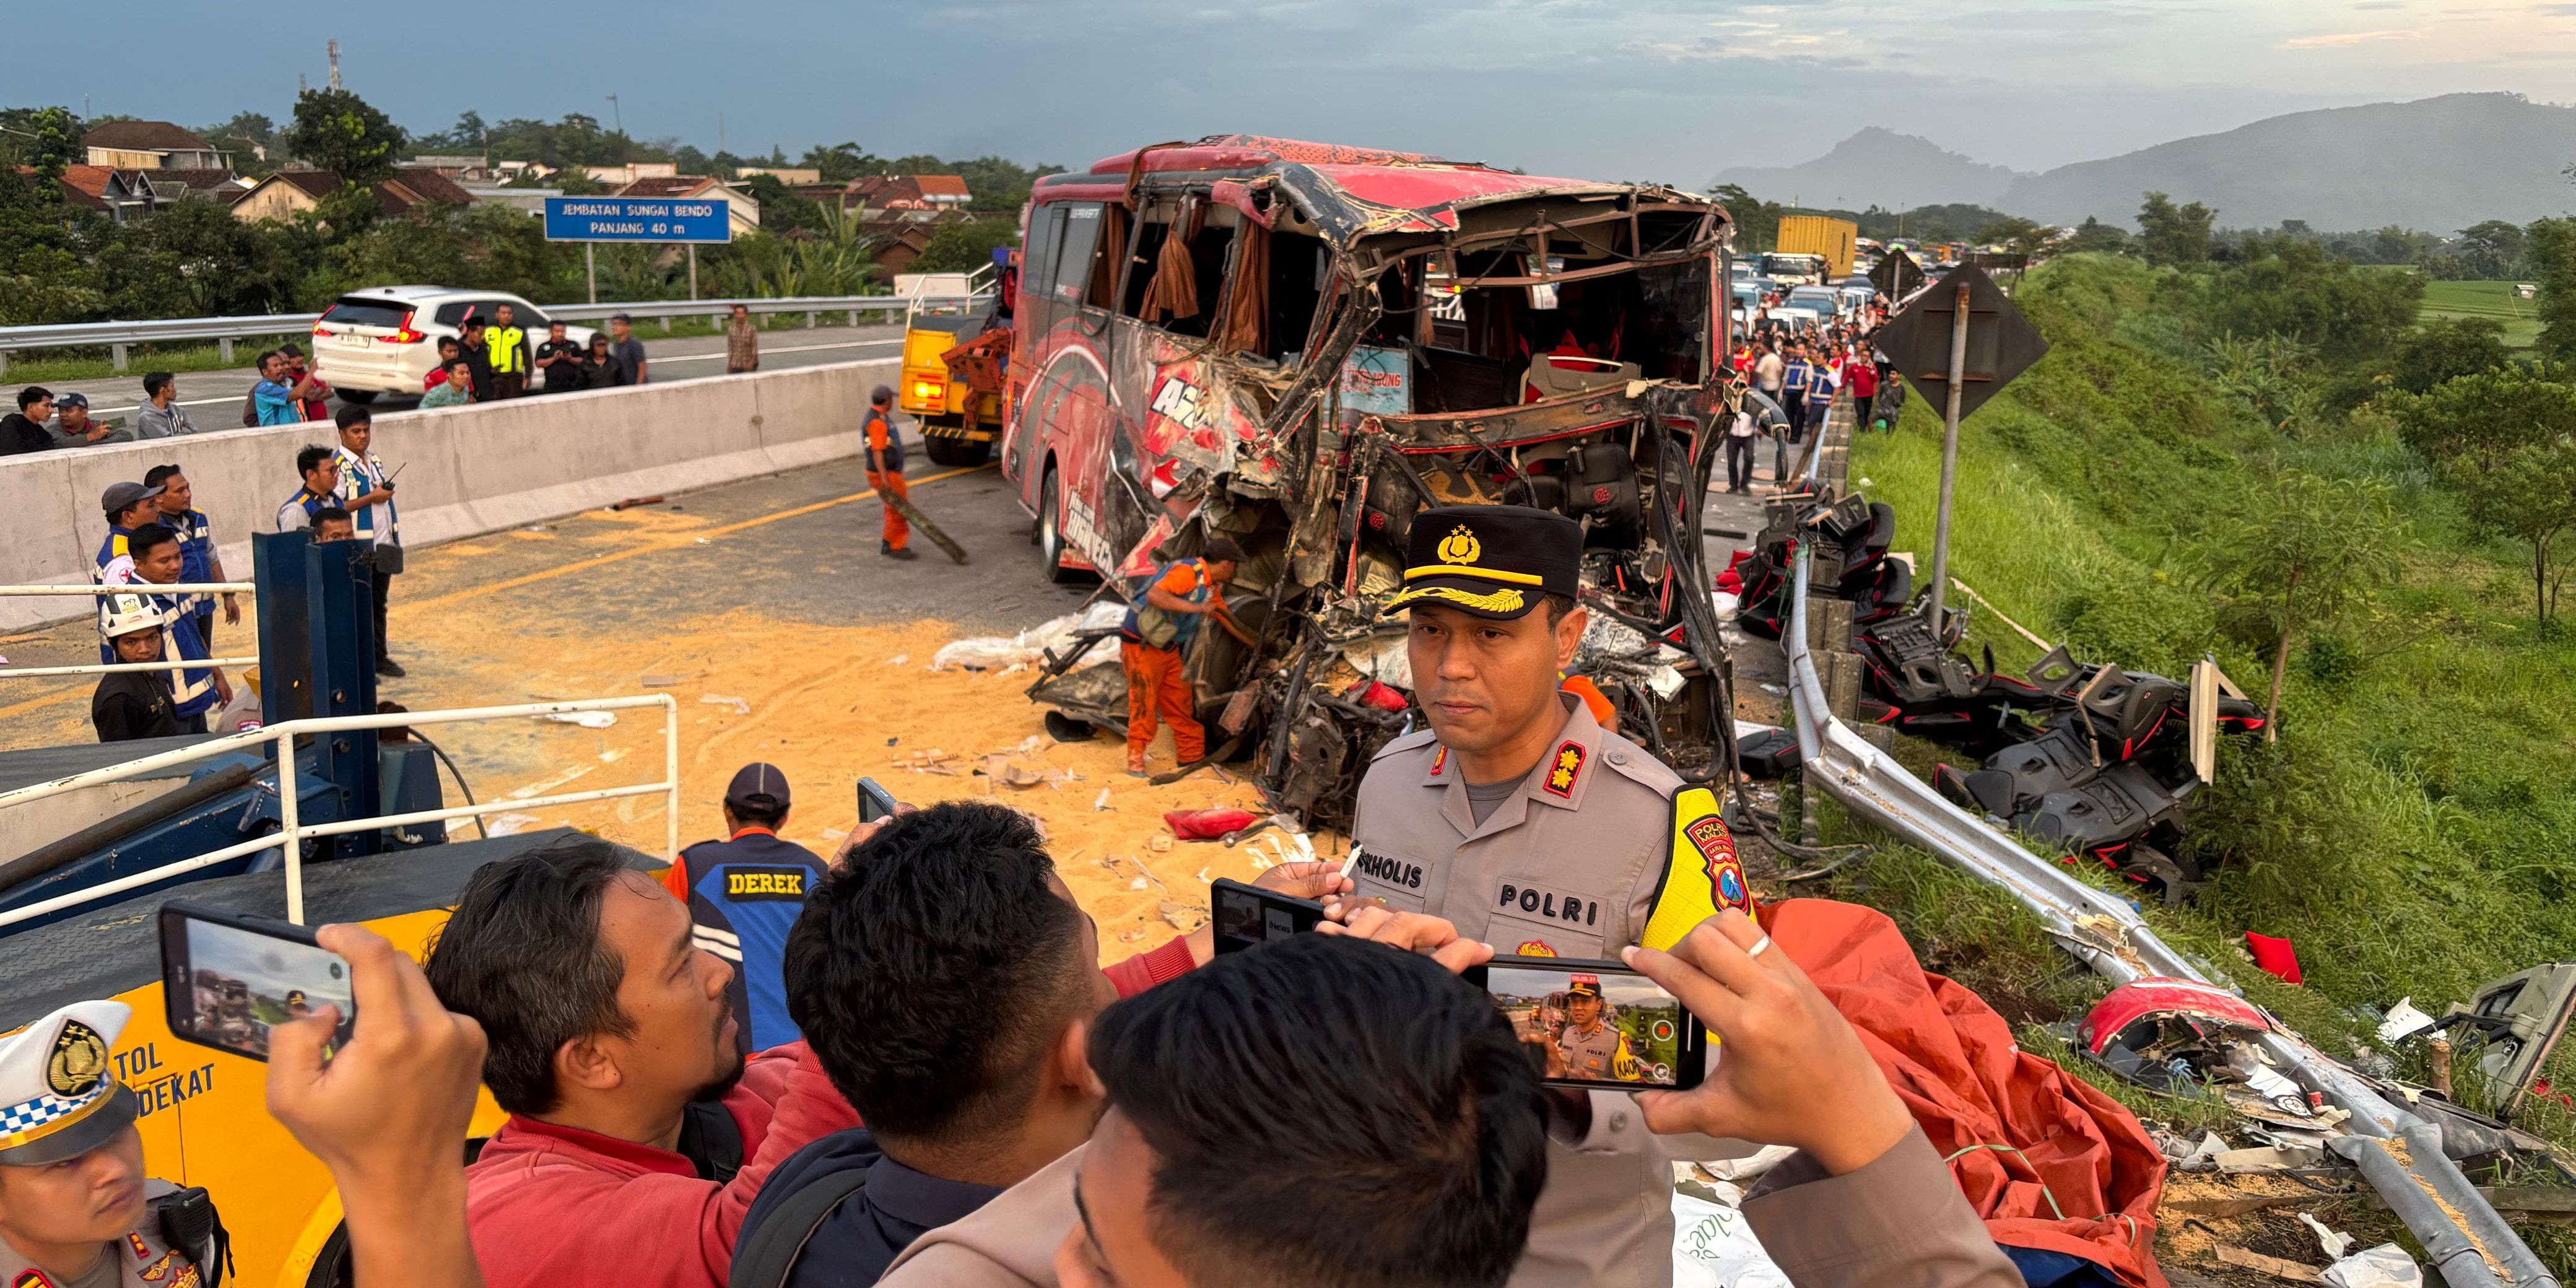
118	352
224	347
4	353
809	321
290	828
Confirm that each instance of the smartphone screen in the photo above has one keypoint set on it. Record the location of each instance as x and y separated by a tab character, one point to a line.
1596	1024
229	978
1247	915
875	802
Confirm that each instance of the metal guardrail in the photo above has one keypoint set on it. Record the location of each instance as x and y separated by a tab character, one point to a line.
120	336
279	741
2458	1228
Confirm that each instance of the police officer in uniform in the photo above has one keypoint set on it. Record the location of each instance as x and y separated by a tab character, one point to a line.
75	1209
1520	819
744	894
1589	1046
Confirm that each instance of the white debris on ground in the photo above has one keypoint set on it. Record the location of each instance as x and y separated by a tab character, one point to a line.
1030	647
1714	1247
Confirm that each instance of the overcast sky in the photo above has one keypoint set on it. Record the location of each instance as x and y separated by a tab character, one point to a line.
1613	89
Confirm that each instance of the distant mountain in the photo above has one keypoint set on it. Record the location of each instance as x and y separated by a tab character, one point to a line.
1878	167
2436	164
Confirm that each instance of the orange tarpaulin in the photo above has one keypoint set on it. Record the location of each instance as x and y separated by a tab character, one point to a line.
2050	1163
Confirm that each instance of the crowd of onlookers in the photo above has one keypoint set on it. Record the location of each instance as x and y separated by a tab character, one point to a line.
1788	374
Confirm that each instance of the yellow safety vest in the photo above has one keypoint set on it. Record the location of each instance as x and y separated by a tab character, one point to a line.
509	347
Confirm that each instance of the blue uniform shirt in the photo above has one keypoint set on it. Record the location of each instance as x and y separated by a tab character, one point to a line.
744	895
196	553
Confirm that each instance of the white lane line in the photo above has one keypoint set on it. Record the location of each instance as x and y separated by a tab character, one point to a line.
683	357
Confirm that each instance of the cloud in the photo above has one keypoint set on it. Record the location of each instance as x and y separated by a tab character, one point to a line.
2347	39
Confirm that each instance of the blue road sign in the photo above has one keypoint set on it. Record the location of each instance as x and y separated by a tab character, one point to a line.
639	219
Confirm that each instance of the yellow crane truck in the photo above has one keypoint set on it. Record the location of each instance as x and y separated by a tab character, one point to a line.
953	347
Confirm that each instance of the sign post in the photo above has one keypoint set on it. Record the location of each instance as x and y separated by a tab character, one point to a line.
1959	342
691	220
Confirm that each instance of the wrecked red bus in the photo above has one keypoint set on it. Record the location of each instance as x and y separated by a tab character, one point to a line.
1301	346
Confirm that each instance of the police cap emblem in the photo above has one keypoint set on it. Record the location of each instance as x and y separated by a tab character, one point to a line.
78	1062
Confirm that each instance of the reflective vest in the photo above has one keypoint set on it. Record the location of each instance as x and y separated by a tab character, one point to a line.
744	895
1156	628
196	554
360	475
509	348
299	509
192	691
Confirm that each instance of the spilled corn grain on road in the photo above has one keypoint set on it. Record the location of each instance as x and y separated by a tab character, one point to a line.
764	609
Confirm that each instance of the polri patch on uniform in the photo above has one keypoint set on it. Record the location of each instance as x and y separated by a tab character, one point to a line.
1567	769
1534	948
1725	872
762	883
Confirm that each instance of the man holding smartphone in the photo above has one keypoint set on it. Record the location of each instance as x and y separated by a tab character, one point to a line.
75	1209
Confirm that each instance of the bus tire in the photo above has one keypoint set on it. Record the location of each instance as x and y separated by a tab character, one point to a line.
1051	527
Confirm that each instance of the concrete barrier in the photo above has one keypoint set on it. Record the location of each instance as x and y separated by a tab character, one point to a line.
464	470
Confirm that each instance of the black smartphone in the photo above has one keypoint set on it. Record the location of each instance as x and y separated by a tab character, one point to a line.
228	977
875	802
1596	1024
1246	915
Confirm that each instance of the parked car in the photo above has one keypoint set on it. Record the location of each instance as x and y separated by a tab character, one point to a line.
384	339
1827	301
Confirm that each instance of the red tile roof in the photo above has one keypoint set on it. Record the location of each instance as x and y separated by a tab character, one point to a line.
941	185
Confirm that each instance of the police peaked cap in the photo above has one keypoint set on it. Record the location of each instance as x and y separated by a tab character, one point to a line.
1493	561
59	1097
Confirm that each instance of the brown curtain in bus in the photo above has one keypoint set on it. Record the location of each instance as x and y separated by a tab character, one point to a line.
1246	325
1113	256
1175	288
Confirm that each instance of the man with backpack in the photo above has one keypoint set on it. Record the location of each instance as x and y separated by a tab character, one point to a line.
1151	647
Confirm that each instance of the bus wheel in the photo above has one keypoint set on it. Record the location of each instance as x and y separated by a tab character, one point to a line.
1051	527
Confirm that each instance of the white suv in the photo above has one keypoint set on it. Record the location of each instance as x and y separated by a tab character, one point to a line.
384	339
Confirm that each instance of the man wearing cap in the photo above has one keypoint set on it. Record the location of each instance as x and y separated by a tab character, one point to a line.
744	893
133	704
1151	649
884	448
1588	1047
1520	819
128	506
75	1209
73	427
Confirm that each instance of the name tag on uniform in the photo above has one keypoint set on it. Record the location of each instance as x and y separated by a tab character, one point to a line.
785	883
1393	880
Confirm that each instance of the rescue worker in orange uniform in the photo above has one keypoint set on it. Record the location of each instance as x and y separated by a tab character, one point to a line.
885	472
1151	645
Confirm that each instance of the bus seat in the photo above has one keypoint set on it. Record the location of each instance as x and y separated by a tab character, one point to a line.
1553	375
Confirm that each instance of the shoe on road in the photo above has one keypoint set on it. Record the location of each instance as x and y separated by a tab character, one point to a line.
891	552
389	667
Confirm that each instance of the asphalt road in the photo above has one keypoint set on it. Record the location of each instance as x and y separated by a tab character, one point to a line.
206	393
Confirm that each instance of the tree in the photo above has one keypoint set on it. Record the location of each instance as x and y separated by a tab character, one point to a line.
2444	349
783	209
2174	235
2018	235
2296	553
2530	497
46	139
2493	250
839	163
342	133
2550	245
2483	418
2293	289
965	246
1757	222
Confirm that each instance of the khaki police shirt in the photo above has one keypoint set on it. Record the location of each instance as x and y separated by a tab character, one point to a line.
141	1259
1592	1055
1603	846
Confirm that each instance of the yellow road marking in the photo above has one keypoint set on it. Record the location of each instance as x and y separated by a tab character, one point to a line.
681	541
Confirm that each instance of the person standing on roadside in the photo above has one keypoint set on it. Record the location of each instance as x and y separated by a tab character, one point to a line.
742	343
161	416
368	495
312	393
198	562
1796	376
560	359
278	398
198	690
128	705
471	345
319	467
625	352
507	344
449	354
885	472
455	391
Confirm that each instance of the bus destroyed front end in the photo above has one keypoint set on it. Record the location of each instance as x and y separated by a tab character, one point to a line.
1554	346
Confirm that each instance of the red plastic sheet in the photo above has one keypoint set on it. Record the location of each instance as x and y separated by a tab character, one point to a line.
2274	955
1208	824
2049	1162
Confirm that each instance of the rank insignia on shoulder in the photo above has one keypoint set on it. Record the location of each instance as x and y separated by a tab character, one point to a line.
1566	769
1439	761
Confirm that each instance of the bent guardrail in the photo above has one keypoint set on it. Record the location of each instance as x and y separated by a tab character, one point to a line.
2467	1240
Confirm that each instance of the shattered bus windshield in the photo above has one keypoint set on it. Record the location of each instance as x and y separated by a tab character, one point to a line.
1301	346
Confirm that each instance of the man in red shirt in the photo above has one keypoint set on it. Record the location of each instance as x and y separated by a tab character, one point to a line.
637	1135
1863	378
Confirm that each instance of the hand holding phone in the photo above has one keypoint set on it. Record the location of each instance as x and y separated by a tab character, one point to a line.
1246	915
1795	1071
228	978
875	802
